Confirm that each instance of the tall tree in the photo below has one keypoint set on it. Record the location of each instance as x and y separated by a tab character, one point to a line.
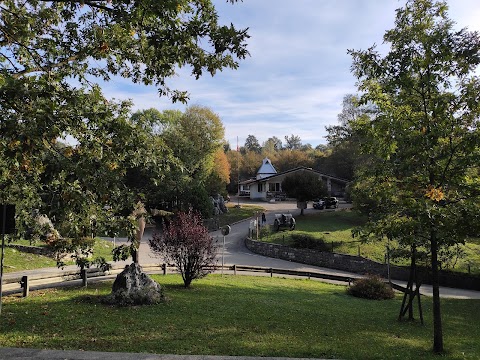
344	156
194	137
252	144
293	142
52	52
273	144
304	186
424	178
219	178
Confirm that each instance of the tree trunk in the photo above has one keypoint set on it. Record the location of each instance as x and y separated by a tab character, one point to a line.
437	317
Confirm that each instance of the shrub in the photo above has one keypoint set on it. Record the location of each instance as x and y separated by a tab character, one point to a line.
302	241
371	287
265	231
187	243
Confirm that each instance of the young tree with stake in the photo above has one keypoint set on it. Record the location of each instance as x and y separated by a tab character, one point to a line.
423	173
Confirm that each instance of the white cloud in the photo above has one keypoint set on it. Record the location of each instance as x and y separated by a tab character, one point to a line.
299	69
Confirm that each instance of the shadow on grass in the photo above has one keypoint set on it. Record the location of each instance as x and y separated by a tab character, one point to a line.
231	315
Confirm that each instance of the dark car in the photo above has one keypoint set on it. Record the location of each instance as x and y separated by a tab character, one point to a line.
331	202
319	204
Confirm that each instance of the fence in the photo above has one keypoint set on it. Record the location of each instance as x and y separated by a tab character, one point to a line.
23	284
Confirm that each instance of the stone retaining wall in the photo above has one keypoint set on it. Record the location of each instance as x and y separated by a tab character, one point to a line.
30	249
355	264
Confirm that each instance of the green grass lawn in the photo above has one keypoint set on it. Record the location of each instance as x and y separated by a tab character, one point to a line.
15	260
238	315
335	228
236	214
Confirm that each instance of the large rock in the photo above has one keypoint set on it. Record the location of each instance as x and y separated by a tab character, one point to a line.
219	206
133	287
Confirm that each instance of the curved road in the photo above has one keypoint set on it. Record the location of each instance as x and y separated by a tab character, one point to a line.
235	252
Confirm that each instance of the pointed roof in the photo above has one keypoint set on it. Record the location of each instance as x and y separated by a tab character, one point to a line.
266	169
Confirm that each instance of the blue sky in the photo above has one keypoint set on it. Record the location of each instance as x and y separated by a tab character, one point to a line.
298	71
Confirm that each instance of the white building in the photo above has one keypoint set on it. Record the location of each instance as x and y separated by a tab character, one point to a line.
268	182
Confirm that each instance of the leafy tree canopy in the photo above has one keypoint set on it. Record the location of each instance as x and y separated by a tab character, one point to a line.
51	55
422	185
252	144
187	243
142	40
293	142
273	144
304	186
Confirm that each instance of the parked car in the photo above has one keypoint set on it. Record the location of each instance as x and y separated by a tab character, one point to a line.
319	204
331	202
325	203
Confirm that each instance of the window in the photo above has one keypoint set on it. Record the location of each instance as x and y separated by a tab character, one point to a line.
274	187
260	187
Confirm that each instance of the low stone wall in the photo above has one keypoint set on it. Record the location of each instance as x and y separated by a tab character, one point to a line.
31	249
355	264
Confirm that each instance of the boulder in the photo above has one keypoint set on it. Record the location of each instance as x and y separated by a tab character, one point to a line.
133	287
219	206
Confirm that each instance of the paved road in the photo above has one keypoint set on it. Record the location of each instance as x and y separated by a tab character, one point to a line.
237	254
40	354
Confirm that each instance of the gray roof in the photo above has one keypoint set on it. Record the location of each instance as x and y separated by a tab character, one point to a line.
303	168
266	169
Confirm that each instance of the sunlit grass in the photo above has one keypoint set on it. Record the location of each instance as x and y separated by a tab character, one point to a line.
235	213
238	315
16	260
335	229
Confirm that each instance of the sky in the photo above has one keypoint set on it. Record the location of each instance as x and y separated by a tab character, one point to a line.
298	70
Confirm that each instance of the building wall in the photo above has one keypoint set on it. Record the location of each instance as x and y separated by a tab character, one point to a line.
256	195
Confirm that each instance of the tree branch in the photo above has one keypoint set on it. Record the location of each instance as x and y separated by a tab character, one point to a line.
91	3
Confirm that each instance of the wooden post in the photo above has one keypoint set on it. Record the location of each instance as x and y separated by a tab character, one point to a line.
271	272
83	275
25	286
234	269
164	268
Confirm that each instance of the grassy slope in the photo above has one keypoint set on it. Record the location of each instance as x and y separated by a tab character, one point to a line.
16	260
251	316
236	214
336	227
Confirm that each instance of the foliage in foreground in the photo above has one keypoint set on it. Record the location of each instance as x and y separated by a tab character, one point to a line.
422	184
54	56
237	315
